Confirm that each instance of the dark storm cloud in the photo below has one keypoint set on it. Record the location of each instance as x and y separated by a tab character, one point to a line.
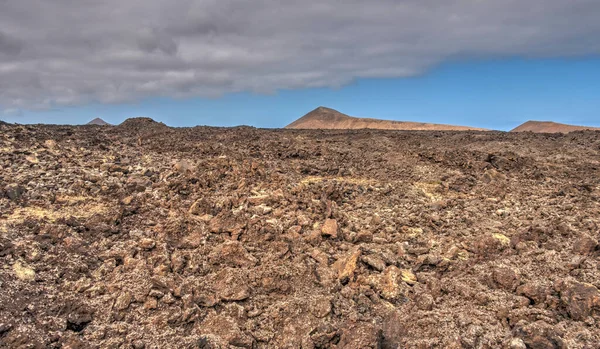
66	52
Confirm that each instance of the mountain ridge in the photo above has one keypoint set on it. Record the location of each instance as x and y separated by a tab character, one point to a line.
550	127
327	118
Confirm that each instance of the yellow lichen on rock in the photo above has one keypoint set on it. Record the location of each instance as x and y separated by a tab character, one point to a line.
408	276
23	272
505	241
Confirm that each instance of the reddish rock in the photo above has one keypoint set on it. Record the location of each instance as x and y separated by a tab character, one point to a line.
585	245
363	335
580	299
231	285
330	228
506	278
232	253
346	266
363	236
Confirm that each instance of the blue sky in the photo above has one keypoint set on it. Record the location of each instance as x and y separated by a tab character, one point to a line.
496	94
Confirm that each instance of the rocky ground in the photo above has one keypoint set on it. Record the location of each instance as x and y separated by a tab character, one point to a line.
143	236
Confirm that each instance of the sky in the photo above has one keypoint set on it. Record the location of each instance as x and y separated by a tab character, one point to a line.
493	64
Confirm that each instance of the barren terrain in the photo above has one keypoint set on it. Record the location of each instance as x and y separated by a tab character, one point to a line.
144	236
550	127
326	118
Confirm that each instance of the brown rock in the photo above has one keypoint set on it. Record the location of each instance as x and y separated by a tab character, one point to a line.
425	301
123	301
408	276
208	299
363	236
539	335
581	299
314	237
232	253
183	166
491	244
14	191
319	256
506	278
346	266
517	343
151	303
322	336
231	285
361	335
147	244
388	283
374	261
226	329
320	307
200	207
532	291
584	245
330	228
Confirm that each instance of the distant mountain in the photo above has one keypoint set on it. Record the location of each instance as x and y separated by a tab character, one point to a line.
550	127
98	121
143	124
326	118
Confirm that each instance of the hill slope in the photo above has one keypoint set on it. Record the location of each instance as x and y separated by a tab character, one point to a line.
326	118
550	127
98	121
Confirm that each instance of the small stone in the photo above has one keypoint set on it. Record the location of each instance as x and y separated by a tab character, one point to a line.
408	276
330	228
363	236
138	344
50	143
258	199
491	244
347	266
376	219
314	237
200	207
584	245
517	343
206	300
147	244
14	191
321	307
374	261
231	285
127	200
425	302
183	166
232	253
319	256
533	292
361	335
388	283
507	278
151	303
123	301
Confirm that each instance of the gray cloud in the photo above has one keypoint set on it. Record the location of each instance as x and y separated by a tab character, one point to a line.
67	52
9	46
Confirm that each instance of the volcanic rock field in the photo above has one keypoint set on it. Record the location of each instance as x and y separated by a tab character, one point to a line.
146	236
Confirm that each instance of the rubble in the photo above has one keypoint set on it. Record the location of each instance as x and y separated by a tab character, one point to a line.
145	236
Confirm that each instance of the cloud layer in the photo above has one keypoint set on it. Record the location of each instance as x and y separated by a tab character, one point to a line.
69	52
